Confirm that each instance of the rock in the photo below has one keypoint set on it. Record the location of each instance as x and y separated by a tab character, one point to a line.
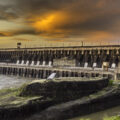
13	106
64	89
106	98
41	94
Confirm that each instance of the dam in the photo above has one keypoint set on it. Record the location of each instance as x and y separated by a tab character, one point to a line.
84	83
73	61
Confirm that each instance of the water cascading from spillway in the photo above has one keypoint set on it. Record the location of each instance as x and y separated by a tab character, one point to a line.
86	65
50	63
113	65
94	65
32	64
27	63
17	62
43	63
38	63
22	63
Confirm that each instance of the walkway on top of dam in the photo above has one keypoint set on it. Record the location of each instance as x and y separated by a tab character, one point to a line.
99	47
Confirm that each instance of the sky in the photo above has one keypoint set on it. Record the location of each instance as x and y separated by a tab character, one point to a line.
37	23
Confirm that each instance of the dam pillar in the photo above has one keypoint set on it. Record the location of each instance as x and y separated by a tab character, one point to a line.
86	59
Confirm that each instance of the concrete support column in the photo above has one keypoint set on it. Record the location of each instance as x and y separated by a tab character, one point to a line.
118	67
98	52
60	73
44	74
108	52
79	74
86	58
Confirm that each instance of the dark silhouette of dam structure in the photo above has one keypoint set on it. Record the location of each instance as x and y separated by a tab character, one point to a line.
73	61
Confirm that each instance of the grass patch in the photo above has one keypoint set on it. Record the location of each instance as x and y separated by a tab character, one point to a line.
105	118
112	118
85	119
111	82
11	96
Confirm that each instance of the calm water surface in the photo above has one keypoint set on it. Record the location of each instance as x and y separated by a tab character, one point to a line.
12	81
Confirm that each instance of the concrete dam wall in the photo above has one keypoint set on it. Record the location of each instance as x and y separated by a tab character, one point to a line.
84	57
97	58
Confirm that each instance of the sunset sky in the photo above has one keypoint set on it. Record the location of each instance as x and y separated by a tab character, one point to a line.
59	22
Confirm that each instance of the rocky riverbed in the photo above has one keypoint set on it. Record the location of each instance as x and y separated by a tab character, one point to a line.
58	99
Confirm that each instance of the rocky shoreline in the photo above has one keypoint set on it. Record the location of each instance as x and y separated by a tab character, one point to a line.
51	100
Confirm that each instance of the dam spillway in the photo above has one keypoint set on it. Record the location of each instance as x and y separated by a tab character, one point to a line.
73	61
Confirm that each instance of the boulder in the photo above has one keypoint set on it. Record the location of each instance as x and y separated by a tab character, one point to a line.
64	89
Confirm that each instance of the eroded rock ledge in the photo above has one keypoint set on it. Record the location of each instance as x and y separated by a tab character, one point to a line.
54	99
65	89
101	100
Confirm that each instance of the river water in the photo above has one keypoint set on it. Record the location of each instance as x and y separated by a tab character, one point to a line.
12	81
16	81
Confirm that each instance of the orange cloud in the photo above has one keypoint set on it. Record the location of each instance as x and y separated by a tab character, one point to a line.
50	22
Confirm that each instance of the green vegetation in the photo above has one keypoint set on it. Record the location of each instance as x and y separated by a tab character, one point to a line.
112	118
84	119
111	82
106	118
10	97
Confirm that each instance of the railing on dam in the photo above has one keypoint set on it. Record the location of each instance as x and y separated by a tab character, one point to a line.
63	47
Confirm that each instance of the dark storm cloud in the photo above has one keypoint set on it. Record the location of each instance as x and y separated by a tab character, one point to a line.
24	32
84	15
7	12
2	35
96	14
98	22
18	32
42	5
